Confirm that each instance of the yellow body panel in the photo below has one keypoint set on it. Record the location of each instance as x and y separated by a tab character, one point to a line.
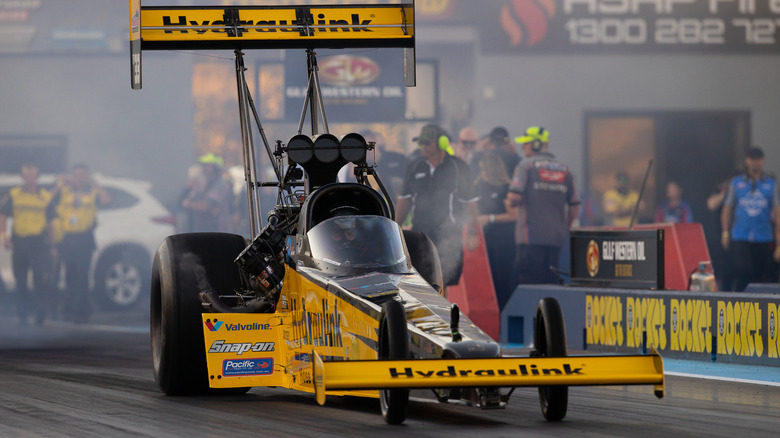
274	349
315	327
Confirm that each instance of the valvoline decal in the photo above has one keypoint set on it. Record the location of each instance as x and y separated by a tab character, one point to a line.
248	367
231	327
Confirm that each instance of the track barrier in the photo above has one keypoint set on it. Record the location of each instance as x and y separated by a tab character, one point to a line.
732	327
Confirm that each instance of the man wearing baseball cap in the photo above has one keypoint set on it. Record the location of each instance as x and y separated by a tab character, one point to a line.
207	206
543	189
438	192
752	199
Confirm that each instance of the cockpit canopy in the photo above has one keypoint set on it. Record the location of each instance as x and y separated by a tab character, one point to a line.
347	245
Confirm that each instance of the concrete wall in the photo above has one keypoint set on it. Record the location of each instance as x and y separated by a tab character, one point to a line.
730	327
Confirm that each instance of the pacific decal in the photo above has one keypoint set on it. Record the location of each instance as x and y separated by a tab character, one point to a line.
739	325
691	326
248	367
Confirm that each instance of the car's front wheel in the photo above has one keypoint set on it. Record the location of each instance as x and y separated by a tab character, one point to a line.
550	341
393	344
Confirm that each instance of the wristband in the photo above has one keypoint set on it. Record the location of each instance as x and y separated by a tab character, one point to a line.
492	218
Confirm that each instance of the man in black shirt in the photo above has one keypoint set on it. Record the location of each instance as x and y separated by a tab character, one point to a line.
438	192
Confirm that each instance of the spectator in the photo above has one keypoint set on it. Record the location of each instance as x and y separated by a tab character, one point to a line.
466	147
391	165
208	206
438	191
499	141
196	183
544	190
589	213
30	242
619	202
497	222
721	258
751	201
674	209
76	204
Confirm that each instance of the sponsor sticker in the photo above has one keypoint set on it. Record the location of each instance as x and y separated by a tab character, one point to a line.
592	258
216	325
248	367
241	347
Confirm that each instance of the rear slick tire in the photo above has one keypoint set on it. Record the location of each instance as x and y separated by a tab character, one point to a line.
550	341
393	344
184	265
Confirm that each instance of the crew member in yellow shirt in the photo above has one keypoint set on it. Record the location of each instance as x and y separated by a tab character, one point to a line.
619	202
29	241
76	207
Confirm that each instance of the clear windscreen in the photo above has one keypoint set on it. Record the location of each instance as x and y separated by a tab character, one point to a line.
347	244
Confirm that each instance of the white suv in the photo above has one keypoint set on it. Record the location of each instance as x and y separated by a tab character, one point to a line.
129	231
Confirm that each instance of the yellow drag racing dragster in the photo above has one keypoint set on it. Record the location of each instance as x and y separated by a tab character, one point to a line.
331	296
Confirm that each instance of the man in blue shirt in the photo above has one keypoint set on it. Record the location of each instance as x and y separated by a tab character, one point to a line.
752	200
674	209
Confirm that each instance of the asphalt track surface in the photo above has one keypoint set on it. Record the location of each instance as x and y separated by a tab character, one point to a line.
95	380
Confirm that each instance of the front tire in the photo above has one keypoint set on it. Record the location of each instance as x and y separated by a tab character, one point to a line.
393	344
550	341
184	265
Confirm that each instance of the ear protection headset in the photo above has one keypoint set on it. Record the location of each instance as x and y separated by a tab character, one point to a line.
444	144
536	145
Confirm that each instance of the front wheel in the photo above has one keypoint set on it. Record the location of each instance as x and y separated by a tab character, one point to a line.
184	265
550	341
393	344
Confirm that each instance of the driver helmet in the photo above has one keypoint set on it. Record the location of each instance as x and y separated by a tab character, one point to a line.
344	232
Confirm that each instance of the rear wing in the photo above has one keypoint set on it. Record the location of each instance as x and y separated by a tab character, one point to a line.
271	27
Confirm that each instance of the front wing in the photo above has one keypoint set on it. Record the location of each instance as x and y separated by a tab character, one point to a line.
501	372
